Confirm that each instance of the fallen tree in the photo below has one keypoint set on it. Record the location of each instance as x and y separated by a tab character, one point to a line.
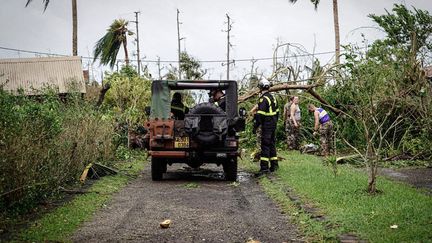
320	80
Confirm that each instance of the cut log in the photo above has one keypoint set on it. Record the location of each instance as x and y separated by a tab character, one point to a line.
343	159
96	170
83	176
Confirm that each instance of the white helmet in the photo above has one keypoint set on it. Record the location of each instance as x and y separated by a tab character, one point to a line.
264	83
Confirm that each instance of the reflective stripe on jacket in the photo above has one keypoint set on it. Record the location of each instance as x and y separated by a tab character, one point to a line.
271	109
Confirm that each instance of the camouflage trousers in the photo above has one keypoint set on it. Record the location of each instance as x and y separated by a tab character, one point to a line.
326	138
292	134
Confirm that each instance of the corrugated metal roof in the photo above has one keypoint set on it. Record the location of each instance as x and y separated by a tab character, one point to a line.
32	75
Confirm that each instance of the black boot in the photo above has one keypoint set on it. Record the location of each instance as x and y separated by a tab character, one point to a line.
274	166
264	169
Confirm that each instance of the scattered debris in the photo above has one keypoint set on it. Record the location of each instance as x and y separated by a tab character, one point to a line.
165	224
250	240
96	170
68	191
235	184
309	148
83	176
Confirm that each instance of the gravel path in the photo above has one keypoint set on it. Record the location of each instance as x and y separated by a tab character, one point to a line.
418	177
202	206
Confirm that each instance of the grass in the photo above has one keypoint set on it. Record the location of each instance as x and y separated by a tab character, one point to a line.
191	185
342	198
60	224
314	231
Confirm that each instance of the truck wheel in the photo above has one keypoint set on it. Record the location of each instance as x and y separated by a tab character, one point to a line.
206	134
158	167
230	169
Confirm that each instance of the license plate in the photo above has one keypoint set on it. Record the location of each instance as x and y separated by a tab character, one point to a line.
181	142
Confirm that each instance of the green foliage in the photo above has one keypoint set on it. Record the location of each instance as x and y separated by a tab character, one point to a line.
345	204
128	96
384	90
190	67
403	24
45	143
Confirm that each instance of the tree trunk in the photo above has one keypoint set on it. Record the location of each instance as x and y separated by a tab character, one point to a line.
373	168
336	30
74	28
126	51
323	101
275	88
102	93
286	86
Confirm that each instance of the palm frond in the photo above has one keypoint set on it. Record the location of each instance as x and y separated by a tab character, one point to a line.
314	2
108	46
45	2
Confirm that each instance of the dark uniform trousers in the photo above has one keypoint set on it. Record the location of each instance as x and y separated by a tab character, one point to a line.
268	144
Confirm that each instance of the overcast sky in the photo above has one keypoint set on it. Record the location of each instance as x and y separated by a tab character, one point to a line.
257	24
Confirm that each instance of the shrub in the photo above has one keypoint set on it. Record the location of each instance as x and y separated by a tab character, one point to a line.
45	143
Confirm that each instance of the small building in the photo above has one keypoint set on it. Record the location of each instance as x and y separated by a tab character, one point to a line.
32	75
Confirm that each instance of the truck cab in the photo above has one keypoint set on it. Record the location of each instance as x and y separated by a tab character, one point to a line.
207	134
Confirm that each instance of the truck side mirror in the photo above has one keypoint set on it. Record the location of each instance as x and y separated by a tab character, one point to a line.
147	110
242	112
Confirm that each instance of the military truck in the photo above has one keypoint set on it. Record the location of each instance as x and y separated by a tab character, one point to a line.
207	135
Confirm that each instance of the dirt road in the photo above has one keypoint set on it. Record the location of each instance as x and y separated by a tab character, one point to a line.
202	207
418	177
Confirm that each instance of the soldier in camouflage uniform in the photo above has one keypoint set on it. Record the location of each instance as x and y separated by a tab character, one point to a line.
292	123
324	125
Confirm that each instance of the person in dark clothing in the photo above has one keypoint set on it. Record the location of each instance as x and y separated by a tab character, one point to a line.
218	98
178	109
266	117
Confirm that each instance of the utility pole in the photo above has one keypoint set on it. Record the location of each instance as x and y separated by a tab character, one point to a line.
229	27
137	42
159	68
178	41
74	28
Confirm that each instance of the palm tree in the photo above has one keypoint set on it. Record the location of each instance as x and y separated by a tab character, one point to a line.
74	23
335	24
46	2
109	45
74	28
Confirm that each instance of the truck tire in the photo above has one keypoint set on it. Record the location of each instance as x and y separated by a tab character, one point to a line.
206	134
158	167
230	169
206	108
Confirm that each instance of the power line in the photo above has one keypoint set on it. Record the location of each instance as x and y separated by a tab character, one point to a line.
173	61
